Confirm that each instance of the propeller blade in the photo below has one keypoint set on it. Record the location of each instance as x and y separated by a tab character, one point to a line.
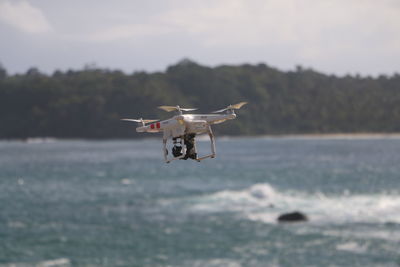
220	110
148	121
140	120
235	106
172	108
238	105
131	120
188	109
167	108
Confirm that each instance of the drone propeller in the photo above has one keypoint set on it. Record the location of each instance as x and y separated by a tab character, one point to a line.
139	120
231	107
172	108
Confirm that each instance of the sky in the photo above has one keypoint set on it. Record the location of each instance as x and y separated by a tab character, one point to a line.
331	36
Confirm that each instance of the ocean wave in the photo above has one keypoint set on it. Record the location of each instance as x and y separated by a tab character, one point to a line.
40	140
365	233
352	247
214	262
61	262
262	202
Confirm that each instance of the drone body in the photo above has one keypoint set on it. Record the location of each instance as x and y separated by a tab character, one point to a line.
183	128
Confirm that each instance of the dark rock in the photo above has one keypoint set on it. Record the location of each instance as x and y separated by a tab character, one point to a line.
292	217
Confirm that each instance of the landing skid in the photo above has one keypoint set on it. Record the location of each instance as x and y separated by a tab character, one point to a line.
206	157
212	141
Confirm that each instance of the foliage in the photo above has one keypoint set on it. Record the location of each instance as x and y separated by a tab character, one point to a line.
89	103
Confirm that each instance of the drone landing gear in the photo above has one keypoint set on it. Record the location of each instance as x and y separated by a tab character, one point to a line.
212	141
184	147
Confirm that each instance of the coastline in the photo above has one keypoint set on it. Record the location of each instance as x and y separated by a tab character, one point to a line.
339	136
326	136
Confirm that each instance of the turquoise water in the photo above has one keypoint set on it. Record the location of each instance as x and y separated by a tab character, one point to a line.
116	203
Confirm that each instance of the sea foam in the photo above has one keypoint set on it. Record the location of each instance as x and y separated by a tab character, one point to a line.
262	202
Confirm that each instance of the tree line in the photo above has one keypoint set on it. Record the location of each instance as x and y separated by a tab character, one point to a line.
89	103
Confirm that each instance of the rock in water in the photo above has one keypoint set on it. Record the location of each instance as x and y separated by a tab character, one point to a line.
295	216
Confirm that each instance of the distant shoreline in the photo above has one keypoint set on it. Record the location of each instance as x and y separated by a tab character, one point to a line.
337	136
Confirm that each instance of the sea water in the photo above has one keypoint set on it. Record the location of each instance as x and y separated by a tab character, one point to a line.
116	203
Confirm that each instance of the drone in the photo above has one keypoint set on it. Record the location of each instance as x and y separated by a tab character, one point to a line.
183	128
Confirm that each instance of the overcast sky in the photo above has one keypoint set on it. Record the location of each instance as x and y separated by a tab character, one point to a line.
332	36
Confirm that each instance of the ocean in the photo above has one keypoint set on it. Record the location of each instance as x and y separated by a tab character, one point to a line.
116	203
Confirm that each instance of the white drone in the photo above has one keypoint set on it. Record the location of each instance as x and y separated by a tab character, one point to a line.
182	129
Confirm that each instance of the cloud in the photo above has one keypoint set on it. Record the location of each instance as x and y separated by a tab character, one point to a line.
313	27
333	36
127	31
235	22
24	16
318	33
260	22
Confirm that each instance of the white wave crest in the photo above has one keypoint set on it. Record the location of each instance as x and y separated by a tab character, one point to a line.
262	202
61	262
352	247
214	262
